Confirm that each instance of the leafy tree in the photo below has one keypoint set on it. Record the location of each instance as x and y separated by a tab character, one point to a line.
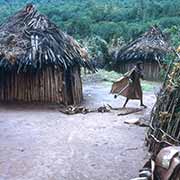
105	19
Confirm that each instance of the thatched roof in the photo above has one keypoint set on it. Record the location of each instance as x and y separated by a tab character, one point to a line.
149	47
29	40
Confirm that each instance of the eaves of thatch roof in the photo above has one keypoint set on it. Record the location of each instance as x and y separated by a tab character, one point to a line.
149	47
29	40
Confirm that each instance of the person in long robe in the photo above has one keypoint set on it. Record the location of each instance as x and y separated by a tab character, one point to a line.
130	85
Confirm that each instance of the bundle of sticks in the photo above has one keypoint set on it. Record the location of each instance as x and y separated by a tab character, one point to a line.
165	117
70	110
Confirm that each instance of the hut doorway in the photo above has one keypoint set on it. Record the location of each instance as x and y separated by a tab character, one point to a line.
73	86
68	86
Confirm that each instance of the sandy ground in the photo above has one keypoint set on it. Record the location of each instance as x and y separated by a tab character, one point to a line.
40	143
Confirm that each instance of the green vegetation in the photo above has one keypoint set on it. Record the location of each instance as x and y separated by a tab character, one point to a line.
108	77
105	18
99	23
149	86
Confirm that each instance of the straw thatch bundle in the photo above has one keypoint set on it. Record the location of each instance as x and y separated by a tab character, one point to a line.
28	40
150	46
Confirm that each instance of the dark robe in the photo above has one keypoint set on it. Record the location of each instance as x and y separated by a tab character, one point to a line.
129	85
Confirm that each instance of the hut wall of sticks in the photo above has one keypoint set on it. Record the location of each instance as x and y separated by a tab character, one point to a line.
150	48
39	62
165	118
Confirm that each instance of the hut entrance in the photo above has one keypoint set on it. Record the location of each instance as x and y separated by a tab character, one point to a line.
73	85
69	86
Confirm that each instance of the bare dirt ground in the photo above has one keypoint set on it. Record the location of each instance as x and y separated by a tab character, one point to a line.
40	143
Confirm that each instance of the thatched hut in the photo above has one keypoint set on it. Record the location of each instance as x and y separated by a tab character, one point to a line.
150	48
39	62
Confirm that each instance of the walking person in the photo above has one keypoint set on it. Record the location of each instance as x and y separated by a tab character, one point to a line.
130	86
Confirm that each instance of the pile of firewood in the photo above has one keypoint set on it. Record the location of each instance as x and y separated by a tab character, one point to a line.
163	137
71	110
165	119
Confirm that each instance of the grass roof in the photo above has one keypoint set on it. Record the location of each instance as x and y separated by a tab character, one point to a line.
29	40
